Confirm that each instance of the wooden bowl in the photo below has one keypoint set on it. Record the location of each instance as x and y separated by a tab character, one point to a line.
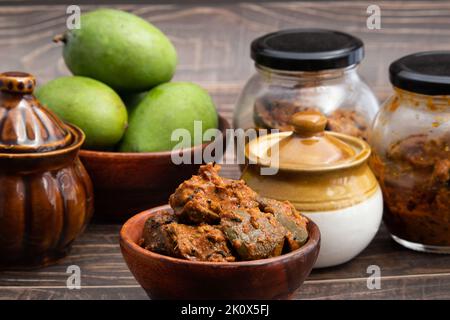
164	277
126	183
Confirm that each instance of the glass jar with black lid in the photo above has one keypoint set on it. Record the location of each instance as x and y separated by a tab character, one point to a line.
307	69
411	152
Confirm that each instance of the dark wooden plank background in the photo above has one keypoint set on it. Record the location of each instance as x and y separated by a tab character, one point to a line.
104	275
213	41
213	44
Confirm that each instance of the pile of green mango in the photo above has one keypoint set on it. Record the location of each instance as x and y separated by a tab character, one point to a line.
120	93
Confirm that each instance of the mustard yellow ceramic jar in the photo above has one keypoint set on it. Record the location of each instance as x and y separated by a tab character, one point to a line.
326	176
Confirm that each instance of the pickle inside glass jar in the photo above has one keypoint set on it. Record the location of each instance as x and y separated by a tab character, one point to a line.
274	109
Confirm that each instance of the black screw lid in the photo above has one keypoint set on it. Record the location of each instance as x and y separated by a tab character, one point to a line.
307	50
424	72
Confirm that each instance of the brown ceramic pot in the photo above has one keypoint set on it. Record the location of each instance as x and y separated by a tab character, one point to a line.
164	277
45	192
126	183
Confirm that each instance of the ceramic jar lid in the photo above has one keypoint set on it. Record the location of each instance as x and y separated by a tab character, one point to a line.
25	125
309	147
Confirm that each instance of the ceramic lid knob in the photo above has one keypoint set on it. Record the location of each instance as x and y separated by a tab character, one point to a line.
308	148
19	82
308	123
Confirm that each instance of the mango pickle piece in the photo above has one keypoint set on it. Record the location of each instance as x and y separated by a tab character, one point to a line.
290	218
253	234
197	212
153	238
204	197
198	243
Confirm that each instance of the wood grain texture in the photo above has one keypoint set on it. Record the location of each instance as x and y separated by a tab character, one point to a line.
104	275
213	41
213	44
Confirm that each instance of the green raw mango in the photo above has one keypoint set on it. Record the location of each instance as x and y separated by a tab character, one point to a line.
89	104
119	49
165	108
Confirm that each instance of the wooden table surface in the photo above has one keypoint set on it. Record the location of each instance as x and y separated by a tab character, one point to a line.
213	45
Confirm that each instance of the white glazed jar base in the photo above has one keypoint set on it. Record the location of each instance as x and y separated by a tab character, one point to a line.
346	232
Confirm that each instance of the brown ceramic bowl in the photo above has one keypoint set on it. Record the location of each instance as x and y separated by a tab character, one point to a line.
126	183
164	277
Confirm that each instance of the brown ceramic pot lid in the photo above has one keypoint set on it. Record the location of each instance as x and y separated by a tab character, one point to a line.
25	125
309	147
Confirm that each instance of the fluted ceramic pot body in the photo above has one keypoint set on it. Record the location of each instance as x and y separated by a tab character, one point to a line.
45	203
